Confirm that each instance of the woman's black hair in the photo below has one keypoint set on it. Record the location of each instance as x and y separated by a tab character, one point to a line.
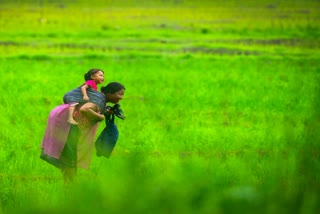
112	88
87	76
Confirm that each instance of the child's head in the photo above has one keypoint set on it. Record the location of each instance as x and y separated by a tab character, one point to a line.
91	72
97	75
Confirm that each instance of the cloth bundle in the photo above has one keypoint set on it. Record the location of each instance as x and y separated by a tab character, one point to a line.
107	139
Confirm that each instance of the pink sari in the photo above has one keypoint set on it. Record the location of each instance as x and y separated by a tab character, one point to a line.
56	135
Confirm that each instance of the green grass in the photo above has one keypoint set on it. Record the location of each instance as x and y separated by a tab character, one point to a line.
221	105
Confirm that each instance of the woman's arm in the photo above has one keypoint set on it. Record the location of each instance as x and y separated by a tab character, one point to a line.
90	110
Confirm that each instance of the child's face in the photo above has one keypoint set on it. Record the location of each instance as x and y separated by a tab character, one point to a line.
98	77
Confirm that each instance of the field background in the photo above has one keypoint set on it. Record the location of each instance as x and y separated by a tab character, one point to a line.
222	104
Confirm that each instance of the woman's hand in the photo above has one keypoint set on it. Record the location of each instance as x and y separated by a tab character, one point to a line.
108	111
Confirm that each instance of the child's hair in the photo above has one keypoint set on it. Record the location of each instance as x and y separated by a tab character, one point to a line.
112	88
87	76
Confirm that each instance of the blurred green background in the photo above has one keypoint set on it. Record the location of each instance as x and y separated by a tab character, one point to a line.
222	104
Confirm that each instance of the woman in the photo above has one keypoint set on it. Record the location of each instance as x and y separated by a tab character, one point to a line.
68	146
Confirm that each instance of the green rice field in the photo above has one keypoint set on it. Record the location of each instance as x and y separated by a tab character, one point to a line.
221	104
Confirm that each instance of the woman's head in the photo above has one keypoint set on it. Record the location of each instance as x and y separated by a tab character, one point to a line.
114	91
91	73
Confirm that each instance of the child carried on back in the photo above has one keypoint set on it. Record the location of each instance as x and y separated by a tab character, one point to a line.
86	92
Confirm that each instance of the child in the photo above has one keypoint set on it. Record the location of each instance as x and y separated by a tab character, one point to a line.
93	77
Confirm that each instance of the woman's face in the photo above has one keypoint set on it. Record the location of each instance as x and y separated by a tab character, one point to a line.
115	97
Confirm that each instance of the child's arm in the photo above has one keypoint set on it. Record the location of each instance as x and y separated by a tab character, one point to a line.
84	92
